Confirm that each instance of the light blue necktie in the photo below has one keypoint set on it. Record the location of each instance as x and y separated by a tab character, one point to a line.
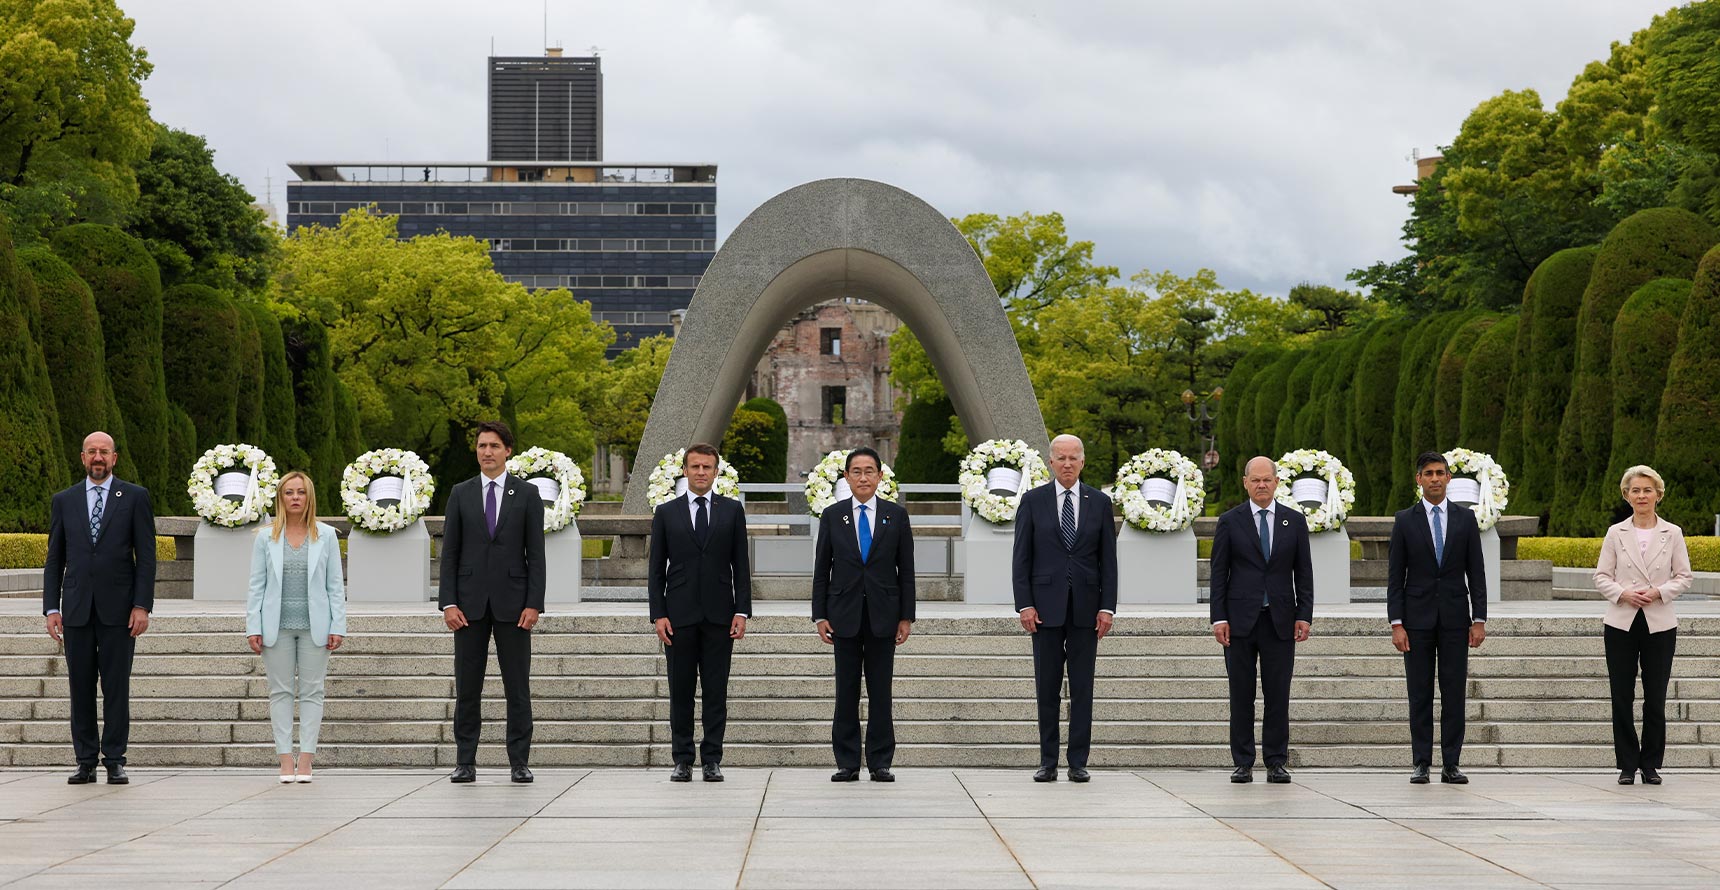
1438	539
865	535
1265	546
96	517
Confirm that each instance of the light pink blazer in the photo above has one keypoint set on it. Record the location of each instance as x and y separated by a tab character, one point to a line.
1623	566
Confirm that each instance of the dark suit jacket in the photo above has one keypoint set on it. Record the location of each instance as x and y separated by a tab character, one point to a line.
885	580
1045	572
1424	594
500	576
1242	578
106	579
689	584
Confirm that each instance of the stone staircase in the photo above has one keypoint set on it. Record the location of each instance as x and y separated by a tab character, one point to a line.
1538	694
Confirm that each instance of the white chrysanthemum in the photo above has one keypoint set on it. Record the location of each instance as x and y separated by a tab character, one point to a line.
661	486
1331	513
821	482
1014	454
570	483
259	493
368	516
1160	463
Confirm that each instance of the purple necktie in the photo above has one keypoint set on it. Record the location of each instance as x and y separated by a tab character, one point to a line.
490	508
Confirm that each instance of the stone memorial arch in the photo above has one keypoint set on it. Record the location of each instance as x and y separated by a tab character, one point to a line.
839	238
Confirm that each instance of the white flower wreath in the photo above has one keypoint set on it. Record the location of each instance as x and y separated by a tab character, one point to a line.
1340	494
233	485
1184	503
823	487
417	486
662	484
552	472
1000	454
1492	487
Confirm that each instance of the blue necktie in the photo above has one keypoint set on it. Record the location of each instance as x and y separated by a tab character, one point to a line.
96	517
1265	546
865	535
1438	539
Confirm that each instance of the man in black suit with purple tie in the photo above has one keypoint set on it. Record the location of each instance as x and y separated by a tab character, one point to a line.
1262	605
1065	579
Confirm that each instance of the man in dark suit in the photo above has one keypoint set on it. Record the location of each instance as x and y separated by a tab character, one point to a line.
492	584
700	588
863	604
1065	579
1262	606
98	588
1436	599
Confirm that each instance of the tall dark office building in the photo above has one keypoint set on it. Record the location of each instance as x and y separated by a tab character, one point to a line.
546	109
631	238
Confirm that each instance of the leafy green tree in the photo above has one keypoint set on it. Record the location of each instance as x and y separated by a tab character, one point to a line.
199	330
35	465
174	499
1645	336
1272	388
1375	389
308	355
73	120
186	202
1556	292
1338	403
1689	413
1412	408
76	360
1660	243
1486	372
920	452
1509	451
1447	408
744	444
630	387
1031	261
127	288
772	443
280	436
249	417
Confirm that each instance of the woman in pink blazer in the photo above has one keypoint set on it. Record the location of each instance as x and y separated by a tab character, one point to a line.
1643	567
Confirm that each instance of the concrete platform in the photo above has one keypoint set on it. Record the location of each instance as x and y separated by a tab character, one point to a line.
942	828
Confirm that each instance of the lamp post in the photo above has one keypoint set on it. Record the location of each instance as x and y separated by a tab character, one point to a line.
1202	411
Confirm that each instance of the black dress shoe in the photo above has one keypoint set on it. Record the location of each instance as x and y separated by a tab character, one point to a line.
1451	775
1277	774
116	774
521	774
1242	775
1418	776
1650	776
85	775
463	773
1627	777
845	775
713	772
883	774
683	772
1079	774
1045	774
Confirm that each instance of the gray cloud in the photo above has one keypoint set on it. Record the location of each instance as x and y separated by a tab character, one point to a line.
1256	138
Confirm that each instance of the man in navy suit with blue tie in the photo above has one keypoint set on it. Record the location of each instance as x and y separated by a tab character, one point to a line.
1065	579
1436	599
1262	606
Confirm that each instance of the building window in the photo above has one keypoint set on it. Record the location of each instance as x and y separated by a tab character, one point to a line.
830	341
835	405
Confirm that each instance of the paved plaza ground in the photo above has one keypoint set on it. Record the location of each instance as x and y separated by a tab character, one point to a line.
939	828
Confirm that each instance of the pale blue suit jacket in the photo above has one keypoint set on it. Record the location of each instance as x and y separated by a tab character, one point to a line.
326	587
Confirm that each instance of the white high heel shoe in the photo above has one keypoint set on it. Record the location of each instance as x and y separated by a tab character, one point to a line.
287	780
303	779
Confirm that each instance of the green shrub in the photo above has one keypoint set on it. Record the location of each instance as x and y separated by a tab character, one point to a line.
182	452
1375	392
34	464
1689	410
249	417
1486	374
1413	424
349	436
314	400
1556	292
743	444
1448	383
76	359
1271	388
1236	425
1662	242
1310	421
920	455
1509	451
30	550
1585	553
127	288
775	448
1298	395
1645	335
280	432
200	355
1338	403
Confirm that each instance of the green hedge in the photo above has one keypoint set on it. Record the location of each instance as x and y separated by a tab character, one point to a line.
1338	403
1413	427
1662	242
1556	292
314	400
1310	420
30	551
1584	553
1689	410
1371	426
1271	389
200	355
349	437
249	417
280	431
127	288
1509	449
1645	335
76	358
1486	374
34	463
1448	383
775	468
1236	426
920	454
1298	391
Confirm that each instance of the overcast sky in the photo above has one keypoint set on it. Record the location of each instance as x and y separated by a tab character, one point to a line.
1258	138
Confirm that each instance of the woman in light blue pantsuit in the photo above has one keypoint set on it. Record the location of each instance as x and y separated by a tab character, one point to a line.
296	616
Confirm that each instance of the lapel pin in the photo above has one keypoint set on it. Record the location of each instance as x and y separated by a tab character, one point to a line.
510	492
118	493
1285	522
